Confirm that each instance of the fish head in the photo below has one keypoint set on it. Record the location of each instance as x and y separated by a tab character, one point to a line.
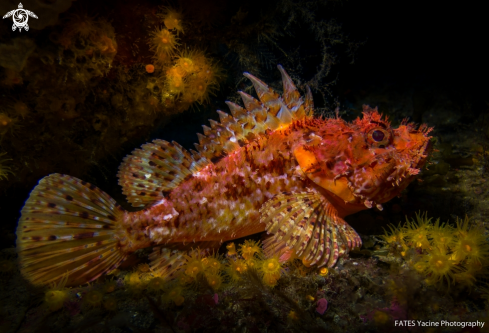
366	162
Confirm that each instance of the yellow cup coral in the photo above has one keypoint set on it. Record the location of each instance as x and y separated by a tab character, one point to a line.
214	280
57	295
471	243
439	267
249	248
418	231
194	264
213	263
172	19
271	270
234	269
93	298
173	294
162	41
443	254
156	284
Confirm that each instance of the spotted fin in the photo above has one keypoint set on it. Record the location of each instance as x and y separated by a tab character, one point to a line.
165	262
244	124
67	227
306	226
157	167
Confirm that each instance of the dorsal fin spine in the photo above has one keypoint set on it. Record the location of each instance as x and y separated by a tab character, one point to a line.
249	101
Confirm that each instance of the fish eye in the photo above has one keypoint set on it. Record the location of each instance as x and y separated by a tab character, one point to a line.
378	138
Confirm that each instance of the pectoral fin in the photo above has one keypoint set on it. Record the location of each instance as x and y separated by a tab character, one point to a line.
307	225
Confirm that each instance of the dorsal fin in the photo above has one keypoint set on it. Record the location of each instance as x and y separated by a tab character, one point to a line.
160	166
270	112
155	168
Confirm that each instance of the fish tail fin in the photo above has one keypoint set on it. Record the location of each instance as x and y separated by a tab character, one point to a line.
68	228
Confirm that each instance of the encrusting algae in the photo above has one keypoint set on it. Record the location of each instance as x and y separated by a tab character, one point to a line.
268	166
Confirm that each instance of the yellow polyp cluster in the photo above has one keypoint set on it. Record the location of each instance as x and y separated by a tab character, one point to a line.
235	269
173	293
214	280
185	75
442	236
110	286
192	77
93	298
194	264
443	254
56	296
212	263
470	243
172	19
271	270
438	267
249	248
397	238
418	231
156	284
133	282
163	43
231	247
174	82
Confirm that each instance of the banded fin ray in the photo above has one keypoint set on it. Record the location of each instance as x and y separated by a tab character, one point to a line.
307	225
166	260
155	168
270	112
68	227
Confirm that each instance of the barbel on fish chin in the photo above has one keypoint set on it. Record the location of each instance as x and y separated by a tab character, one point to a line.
270	166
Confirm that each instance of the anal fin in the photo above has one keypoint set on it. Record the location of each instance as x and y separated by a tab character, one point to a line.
308	225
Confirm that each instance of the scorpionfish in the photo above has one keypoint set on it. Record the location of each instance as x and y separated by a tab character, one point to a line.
268	166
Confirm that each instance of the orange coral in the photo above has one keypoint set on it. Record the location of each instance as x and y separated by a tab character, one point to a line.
172	19
163	42
150	68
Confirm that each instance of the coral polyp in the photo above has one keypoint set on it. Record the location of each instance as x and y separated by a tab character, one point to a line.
249	248
172	19
443	254
439	267
4	170
163	42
